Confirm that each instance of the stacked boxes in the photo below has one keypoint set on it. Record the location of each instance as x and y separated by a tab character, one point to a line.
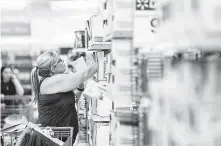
108	17
82	118
99	133
100	107
119	19
98	124
96	30
123	17
103	107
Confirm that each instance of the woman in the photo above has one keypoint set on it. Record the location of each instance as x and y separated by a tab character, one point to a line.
10	85
53	88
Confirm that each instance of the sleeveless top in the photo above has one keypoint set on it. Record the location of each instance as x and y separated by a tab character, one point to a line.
57	109
8	89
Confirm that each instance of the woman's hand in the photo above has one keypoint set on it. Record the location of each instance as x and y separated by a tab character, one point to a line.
2	96
81	86
13	76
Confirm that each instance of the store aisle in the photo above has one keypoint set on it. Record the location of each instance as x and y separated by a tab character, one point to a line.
143	72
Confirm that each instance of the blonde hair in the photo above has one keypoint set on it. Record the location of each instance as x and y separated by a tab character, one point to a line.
43	67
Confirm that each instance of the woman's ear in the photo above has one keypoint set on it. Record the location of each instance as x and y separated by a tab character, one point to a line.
44	72
53	70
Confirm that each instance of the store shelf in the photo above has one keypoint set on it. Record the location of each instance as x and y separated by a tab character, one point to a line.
99	46
124	34
79	50
97	118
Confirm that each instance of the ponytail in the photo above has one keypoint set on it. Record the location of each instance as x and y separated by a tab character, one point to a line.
35	83
44	63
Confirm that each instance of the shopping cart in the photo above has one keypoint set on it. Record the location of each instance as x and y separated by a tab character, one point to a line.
63	135
15	109
9	136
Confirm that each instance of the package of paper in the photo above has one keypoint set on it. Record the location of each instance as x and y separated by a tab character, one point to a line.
104	106
102	131
92	90
80	65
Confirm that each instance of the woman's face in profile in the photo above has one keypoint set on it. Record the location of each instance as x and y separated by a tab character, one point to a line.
60	66
7	73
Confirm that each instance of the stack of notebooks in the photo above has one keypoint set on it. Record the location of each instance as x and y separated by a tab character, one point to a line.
82	118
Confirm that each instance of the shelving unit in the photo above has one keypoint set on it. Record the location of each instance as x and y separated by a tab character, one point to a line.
116	65
100	46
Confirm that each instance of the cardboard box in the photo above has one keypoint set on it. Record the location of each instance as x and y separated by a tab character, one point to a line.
103	107
96	27
123	15
101	137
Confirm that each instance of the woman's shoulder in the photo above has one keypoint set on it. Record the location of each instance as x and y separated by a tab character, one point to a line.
56	96
59	83
53	78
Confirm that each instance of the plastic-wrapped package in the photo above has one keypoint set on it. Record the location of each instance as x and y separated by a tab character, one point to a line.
104	106
101	134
